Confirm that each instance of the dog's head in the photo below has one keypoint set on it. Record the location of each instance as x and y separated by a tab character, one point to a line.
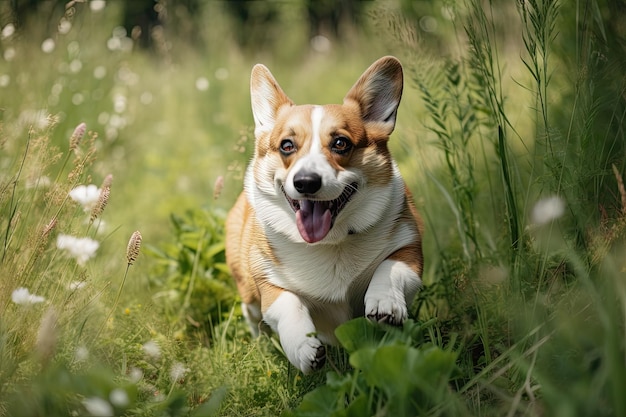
320	173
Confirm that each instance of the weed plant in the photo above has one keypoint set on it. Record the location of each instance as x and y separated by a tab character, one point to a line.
118	166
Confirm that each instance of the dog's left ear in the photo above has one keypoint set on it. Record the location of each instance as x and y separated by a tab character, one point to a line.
378	92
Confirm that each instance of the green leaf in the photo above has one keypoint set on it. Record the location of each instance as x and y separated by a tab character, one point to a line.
321	402
215	249
410	377
212	406
359	407
362	360
338	382
359	333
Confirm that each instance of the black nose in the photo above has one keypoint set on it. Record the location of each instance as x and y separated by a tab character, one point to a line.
307	182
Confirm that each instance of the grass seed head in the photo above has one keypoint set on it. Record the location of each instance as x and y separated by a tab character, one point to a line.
47	336
620	187
218	187
77	136
48	228
134	244
45	234
108	180
102	202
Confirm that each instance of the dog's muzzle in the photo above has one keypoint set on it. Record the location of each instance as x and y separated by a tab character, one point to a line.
315	218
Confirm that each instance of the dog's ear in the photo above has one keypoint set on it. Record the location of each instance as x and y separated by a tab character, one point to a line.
267	98
378	92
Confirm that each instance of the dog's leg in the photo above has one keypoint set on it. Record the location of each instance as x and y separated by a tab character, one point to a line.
252	314
393	285
289	317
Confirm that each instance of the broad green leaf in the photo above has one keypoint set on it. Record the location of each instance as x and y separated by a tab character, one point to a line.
358	333
410	377
321	402
358	408
212	406
362	359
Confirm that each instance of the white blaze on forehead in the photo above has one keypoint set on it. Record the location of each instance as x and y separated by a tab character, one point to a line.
316	120
315	161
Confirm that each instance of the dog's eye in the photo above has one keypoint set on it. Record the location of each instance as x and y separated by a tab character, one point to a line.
287	147
341	144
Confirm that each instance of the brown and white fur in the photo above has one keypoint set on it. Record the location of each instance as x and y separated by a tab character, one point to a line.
325	229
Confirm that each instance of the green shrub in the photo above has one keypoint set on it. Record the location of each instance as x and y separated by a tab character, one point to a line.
191	280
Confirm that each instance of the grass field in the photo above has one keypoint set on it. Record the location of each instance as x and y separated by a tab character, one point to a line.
115	298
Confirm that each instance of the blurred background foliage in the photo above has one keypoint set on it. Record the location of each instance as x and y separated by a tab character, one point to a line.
166	83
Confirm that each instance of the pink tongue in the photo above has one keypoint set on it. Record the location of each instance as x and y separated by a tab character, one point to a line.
313	220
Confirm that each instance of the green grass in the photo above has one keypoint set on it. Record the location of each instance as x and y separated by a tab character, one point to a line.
506	105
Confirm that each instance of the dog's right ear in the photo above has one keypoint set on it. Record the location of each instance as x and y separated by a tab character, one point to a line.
267	98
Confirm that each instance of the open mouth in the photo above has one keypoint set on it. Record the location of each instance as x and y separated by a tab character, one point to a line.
315	218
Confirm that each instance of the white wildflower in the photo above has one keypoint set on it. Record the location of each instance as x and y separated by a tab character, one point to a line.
64	26
135	375
81	249
152	349
86	195
547	210
76	285
177	371
202	84
321	44
96	406
23	297
48	45
7	31
119	398
114	44
97	5
81	354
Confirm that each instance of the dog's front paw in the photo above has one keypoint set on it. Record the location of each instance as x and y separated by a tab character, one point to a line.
385	308
310	355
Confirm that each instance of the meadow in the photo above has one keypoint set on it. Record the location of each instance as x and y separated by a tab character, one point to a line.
119	162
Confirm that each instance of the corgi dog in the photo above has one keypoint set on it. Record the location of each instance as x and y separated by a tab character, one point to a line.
325	229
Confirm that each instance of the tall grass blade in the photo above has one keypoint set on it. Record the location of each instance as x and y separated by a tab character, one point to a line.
511	205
